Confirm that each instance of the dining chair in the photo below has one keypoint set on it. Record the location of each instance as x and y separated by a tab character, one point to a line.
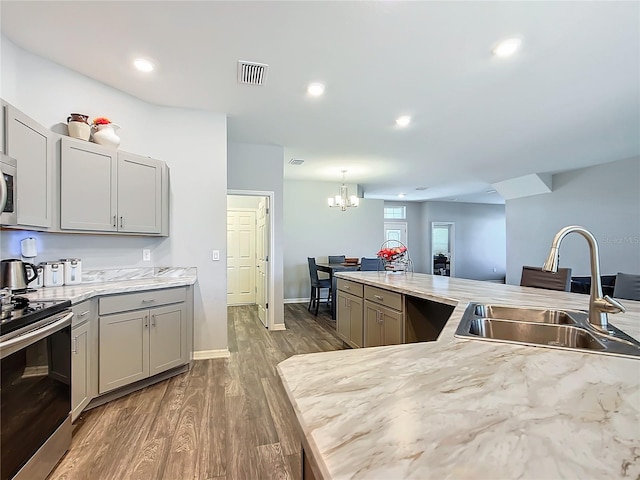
317	284
336	258
371	264
627	286
536	277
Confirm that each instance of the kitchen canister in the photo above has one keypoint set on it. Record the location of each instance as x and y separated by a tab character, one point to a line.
53	274
72	270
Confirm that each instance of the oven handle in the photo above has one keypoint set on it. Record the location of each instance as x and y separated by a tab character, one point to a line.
17	343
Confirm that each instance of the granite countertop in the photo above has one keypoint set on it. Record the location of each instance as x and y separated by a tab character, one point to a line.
122	280
458	408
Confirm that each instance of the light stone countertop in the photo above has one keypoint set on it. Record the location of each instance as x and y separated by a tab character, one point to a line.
109	282
458	408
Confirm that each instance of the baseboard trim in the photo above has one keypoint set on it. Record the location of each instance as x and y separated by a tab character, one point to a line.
296	300
278	327
207	354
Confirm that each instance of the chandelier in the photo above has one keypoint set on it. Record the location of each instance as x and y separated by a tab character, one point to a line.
343	199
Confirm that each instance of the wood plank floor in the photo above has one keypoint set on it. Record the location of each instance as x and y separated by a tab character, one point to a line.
226	419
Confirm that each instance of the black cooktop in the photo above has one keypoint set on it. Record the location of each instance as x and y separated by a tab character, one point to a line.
26	312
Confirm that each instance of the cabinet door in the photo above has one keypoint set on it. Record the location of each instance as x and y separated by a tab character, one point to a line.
372	325
139	194
124	349
80	369
357	325
88	196
167	338
391	326
31	146
343	317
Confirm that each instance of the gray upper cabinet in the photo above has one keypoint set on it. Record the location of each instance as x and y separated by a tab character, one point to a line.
88	193
104	190
139	194
30	144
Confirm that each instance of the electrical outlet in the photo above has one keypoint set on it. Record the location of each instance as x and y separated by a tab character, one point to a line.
146	255
215	256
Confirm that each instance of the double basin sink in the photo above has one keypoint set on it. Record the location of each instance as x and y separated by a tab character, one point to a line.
563	329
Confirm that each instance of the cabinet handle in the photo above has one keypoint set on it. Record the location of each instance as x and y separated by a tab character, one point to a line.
148	301
74	345
84	313
379	297
114	222
153	320
146	321
347	287
121	222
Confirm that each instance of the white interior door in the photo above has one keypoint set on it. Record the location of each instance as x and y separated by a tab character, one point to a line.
241	255
396	231
262	258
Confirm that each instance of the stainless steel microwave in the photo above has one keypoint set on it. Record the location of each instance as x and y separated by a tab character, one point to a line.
8	191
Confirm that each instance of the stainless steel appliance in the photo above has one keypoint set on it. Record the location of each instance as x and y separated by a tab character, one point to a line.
8	191
35	391
14	275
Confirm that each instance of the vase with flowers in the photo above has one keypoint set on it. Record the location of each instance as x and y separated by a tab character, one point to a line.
395	257
104	132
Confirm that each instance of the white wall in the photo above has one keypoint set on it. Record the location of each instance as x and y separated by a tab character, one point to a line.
193	143
312	229
480	236
605	199
261	168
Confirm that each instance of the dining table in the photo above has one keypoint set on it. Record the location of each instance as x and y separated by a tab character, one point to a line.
331	268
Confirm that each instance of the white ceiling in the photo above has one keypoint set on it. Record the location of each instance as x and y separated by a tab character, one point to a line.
570	97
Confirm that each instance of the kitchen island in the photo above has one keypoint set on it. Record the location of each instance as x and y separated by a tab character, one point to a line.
457	408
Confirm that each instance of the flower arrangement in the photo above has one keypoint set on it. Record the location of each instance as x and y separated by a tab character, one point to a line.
390	254
101	121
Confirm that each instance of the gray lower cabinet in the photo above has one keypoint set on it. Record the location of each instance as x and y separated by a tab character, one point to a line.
84	356
141	343
383	317
105	190
30	144
349	318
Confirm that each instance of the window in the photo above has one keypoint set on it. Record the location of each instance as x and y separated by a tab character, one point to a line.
397	213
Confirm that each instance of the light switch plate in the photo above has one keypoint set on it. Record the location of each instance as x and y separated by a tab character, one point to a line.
215	256
146	255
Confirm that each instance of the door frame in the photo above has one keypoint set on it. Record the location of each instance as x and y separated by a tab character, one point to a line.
270	273
452	245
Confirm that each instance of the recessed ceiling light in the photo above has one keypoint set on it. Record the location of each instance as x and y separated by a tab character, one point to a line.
315	89
491	191
143	65
421	188
403	121
401	195
507	47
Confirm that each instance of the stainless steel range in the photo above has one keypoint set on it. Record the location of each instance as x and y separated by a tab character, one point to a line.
35	393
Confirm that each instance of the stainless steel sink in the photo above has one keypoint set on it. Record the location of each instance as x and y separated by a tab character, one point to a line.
563	329
537	315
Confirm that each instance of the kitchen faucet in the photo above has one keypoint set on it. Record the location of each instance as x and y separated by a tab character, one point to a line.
599	306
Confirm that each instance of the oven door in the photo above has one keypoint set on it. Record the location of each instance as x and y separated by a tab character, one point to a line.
8	196
35	394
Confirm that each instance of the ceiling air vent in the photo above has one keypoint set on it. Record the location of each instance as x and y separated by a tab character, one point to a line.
252	73
296	161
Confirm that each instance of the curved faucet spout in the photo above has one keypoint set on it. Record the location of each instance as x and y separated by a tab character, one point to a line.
599	306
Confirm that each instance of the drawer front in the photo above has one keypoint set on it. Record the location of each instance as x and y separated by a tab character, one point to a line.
354	288
84	311
383	297
134	301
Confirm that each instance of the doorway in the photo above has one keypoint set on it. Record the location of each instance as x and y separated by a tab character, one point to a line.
249	251
396	231
442	248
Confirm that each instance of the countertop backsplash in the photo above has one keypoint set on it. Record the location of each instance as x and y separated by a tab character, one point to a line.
139	273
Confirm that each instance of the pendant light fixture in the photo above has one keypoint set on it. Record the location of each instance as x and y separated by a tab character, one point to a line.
343	199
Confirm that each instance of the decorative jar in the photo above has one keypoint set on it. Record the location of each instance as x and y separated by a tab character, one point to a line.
78	126
105	134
